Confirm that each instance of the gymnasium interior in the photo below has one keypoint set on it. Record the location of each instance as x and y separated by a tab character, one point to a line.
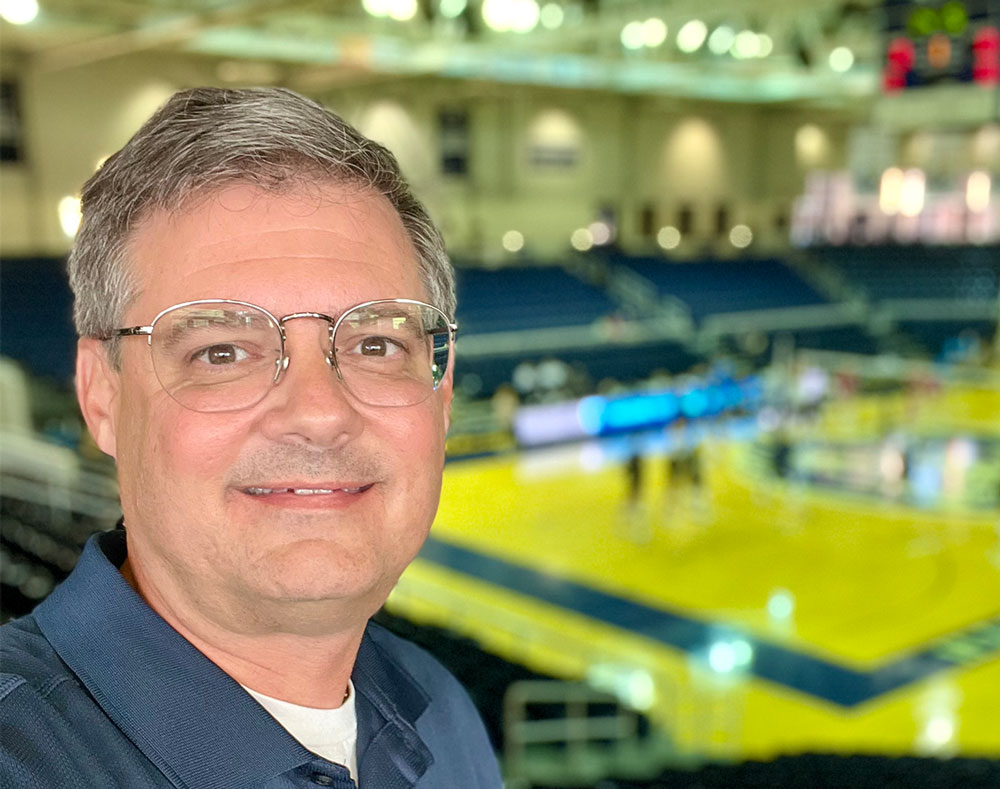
722	499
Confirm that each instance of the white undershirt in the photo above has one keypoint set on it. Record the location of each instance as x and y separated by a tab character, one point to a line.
332	734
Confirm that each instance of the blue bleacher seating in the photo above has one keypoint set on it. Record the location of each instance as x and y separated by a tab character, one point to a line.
717	286
916	272
526	297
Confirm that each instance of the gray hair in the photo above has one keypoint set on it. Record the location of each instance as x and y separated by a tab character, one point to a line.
207	138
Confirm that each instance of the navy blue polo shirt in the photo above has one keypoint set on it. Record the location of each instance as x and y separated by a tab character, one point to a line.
96	690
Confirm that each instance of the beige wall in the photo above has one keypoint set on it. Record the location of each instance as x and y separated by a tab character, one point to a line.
633	152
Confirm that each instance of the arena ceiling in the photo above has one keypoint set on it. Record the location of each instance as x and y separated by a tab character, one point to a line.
783	55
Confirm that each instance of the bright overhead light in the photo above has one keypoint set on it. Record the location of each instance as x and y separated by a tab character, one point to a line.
765	45
669	237
520	16
654	32
890	189
600	232
19	12
841	59
402	10
497	14
912	192
745	45
513	241
525	16
69	215
977	191
581	240
633	35
551	16
721	39
377	8
452	9
740	236
691	36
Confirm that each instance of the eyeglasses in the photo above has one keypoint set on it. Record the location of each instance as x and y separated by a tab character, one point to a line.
222	355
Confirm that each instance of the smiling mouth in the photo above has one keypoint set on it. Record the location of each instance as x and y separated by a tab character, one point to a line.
256	491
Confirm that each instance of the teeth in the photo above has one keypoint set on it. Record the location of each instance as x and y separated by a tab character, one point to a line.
303	491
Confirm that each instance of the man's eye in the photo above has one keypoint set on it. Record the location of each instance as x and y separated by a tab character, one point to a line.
379	346
221	354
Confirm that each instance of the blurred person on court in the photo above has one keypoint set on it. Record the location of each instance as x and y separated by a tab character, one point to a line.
266	343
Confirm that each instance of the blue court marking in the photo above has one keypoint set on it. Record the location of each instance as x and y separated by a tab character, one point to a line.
799	671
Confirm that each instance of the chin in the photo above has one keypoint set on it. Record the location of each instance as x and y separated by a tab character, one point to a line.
319	570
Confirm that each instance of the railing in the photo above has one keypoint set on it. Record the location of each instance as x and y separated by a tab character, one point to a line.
571	733
50	503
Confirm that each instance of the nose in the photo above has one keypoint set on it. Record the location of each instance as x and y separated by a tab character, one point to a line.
310	405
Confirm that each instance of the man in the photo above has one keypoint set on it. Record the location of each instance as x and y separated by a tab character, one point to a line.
266	345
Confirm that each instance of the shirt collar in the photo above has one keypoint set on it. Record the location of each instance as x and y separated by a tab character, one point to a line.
182	711
391	753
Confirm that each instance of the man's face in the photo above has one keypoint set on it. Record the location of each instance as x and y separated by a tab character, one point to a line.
194	530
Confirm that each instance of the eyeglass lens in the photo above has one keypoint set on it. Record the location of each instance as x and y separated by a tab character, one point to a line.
222	357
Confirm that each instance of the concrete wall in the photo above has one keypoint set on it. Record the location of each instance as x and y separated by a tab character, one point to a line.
632	154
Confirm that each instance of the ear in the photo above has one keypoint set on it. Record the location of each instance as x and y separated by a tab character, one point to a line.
97	386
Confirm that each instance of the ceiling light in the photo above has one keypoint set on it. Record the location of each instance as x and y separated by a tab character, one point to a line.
740	236
745	45
551	16
513	241
19	12
600	232
581	239
524	17
520	16
633	35
841	59
669	237
890	189
69	214
912	193
977	192
654	32
721	39
377	8
402	10
498	14
691	36
452	9
765	45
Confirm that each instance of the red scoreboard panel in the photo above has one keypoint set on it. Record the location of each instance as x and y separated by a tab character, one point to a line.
938	41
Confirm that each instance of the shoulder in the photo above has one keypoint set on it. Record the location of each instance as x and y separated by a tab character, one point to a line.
39	702
27	660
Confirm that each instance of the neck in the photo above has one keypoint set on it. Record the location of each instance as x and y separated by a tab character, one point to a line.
307	668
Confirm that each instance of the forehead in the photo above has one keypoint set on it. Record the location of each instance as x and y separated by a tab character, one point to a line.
320	247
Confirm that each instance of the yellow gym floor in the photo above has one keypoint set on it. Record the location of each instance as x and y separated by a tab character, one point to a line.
750	618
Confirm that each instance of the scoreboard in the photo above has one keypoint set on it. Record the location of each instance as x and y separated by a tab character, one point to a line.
941	41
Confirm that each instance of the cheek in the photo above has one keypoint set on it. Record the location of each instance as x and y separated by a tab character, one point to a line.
419	445
172	455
